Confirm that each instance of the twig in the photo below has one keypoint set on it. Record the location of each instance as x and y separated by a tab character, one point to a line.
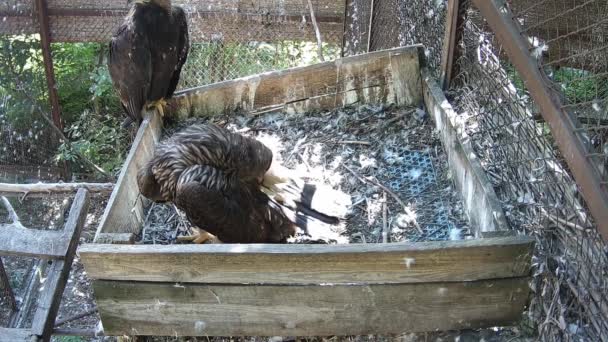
317	32
6	285
398	117
305	162
384	222
12	214
558	220
75	317
407	210
352	142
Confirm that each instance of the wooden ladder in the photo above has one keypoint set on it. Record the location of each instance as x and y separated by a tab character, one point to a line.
56	247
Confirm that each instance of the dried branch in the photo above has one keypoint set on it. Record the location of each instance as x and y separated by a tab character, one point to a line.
75	317
317	31
12	214
407	210
8	189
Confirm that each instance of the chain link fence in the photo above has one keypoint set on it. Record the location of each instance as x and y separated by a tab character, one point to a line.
530	176
516	147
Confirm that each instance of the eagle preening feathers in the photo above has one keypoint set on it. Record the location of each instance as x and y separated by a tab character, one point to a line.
216	177
146	56
226	183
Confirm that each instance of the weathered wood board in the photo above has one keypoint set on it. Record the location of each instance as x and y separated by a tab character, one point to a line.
124	212
480	201
311	290
171	309
388	76
312	264
15	335
22	241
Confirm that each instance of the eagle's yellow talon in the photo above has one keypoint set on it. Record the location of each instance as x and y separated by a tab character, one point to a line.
199	236
159	106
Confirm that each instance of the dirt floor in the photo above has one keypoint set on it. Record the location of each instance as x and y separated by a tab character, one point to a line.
353	150
373	154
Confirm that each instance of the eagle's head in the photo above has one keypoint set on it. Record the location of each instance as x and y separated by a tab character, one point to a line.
148	186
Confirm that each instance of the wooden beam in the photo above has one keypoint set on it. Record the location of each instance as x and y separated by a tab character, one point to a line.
312	264
450	42
15	335
369	78
50	298
480	201
563	124
21	241
166	309
44	189
124	212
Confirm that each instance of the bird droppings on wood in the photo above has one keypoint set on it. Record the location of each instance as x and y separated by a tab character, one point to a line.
369	152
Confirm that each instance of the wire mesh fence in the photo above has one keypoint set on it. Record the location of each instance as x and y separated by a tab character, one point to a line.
516	147
538	193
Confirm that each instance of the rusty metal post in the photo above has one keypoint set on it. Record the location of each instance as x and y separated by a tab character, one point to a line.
45	39
456	15
563	125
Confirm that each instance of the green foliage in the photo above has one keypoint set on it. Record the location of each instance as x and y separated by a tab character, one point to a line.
581	86
97	137
22	79
577	85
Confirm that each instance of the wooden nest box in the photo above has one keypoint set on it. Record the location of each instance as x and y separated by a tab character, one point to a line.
312	290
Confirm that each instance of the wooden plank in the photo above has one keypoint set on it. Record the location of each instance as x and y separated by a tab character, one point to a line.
407	83
15	335
480	201
247	310
48	303
124	212
32	242
312	264
361	79
115	238
449	43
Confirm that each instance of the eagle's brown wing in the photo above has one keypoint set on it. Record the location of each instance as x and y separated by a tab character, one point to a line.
233	210
130	67
183	46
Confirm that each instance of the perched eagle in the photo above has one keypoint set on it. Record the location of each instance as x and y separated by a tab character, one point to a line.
216	177
146	56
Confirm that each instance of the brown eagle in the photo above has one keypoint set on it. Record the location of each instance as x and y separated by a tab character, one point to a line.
217	178
146	56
